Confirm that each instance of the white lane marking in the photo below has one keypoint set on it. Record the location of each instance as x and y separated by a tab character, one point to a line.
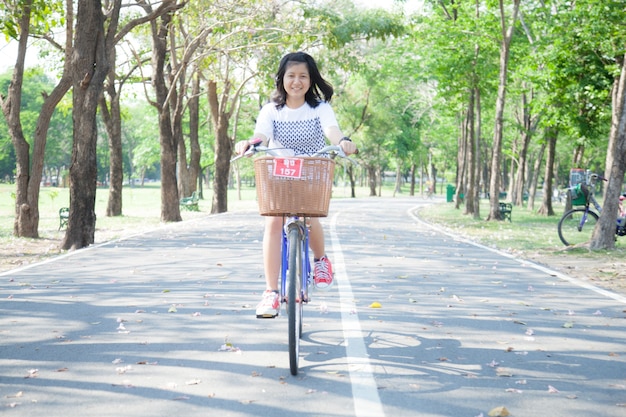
564	277
364	389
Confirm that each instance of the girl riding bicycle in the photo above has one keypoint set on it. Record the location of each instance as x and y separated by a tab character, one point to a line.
298	119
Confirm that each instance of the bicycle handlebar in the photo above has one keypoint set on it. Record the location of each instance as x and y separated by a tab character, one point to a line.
256	147
598	177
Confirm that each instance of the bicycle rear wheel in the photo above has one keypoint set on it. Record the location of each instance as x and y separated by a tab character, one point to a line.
572	230
294	298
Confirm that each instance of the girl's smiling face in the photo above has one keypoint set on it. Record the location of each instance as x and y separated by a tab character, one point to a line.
296	82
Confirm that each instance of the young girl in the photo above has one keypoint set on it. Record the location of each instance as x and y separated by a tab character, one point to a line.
298	119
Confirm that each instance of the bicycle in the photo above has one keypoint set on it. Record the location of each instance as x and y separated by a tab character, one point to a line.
296	188
577	224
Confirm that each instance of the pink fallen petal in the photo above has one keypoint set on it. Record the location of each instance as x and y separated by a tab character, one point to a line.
552	390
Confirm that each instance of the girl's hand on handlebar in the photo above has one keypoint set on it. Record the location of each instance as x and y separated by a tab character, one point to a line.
348	147
242	146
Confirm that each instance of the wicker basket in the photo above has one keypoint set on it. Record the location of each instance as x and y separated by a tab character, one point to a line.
307	196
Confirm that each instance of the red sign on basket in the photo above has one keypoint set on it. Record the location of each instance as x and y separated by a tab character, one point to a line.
288	167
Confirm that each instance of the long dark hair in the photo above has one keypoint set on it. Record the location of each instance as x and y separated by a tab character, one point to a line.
320	90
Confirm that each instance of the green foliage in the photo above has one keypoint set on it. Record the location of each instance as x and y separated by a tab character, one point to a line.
59	144
45	16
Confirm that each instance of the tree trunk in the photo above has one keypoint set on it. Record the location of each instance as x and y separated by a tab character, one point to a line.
170	209
616	108
412	179
604	234
494	186
471	186
188	171
478	154
461	162
112	117
223	149
29	172
528	128
371	174
532	190
89	69
26	213
546	205
194	140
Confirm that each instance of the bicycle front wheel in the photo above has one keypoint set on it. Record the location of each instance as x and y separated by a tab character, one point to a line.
573	230
294	298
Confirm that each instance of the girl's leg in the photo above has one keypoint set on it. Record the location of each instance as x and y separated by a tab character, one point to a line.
316	238
271	251
322	270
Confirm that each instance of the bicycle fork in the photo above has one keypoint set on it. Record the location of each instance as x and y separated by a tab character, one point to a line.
303	242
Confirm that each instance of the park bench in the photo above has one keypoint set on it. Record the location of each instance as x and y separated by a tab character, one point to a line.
505	211
64	215
190	203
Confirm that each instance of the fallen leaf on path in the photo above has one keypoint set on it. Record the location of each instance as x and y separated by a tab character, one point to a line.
499	412
513	390
172	309
376	304
123	369
228	347
568	325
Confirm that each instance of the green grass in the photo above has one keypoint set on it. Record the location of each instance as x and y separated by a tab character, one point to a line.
141	209
529	232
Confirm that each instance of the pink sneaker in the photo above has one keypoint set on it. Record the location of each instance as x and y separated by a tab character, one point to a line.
269	306
323	274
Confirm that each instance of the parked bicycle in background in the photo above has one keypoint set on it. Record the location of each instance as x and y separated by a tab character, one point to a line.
576	226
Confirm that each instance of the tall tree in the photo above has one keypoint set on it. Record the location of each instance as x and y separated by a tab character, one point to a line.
505	47
29	171
90	66
110	106
165	101
604	233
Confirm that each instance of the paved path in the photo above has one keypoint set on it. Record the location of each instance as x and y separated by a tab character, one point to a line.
162	324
